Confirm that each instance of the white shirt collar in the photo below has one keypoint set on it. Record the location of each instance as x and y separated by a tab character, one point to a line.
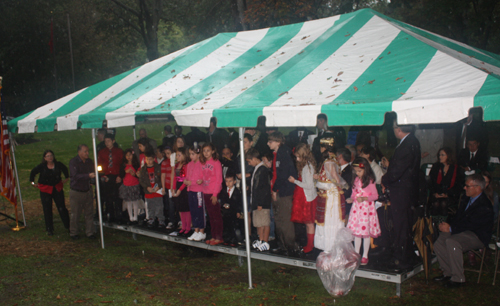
230	191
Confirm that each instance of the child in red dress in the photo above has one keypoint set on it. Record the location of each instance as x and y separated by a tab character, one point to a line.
304	195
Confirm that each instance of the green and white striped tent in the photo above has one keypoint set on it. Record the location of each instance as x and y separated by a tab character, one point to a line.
354	68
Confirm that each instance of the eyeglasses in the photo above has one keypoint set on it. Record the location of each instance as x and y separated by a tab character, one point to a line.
470	186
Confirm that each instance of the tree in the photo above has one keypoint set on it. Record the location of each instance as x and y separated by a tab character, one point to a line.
473	22
145	17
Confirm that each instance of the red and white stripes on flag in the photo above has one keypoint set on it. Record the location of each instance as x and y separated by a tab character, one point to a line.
7	186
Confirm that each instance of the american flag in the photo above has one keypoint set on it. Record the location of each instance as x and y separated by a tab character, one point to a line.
7	187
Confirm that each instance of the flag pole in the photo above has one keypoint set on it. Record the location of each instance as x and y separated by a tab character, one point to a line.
6	147
12	145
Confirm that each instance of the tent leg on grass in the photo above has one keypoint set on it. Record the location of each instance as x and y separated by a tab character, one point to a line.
98	192
245	208
13	147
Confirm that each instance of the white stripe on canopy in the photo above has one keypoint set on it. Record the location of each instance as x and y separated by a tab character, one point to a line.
319	87
242	42
27	125
433	98
70	121
267	66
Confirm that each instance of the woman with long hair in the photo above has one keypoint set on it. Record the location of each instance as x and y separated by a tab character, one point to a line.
447	179
51	184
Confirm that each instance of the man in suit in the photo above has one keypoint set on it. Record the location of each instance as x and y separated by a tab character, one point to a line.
195	136
168	139
401	179
473	158
321	125
346	172
337	133
469	230
299	135
219	137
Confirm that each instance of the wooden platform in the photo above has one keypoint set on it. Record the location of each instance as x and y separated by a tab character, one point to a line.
364	271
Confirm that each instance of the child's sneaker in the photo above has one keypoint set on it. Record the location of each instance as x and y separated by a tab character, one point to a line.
151	223
194	236
161	224
364	261
173	233
264	246
256	244
179	224
170	225
201	236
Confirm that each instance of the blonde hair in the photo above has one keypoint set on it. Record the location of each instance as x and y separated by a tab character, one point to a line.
303	152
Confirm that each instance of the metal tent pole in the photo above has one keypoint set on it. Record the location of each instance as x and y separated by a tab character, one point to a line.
134	133
13	146
98	191
245	207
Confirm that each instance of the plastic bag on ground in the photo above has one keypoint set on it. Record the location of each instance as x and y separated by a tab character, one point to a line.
337	267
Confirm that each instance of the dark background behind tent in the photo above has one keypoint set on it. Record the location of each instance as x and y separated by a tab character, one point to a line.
108	39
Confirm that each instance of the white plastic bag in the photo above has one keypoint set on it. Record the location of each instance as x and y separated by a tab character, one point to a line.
337	267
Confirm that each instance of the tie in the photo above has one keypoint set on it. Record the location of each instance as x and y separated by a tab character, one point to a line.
470	202
472	157
110	165
229	192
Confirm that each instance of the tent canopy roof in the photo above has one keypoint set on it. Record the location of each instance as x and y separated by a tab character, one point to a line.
353	67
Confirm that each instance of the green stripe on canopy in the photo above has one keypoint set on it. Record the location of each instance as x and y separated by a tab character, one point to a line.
290	73
274	39
95	118
47	124
378	85
488	98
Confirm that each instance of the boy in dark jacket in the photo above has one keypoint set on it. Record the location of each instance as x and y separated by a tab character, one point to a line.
230	200
150	180
260	199
282	192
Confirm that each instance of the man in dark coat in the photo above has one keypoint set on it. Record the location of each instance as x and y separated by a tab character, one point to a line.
469	230
195	136
337	133
402	182
347	173
299	135
473	157
219	137
282	192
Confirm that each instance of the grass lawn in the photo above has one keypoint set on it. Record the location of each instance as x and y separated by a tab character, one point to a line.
36	269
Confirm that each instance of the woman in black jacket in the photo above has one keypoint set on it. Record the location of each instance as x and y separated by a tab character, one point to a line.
446	185
50	184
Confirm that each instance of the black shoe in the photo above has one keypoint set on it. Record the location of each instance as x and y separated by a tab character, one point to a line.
75	237
93	236
442	278
452	285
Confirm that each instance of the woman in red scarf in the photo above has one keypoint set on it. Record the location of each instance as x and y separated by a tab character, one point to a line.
446	184
50	184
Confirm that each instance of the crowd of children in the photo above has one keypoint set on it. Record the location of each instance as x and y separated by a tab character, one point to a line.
196	193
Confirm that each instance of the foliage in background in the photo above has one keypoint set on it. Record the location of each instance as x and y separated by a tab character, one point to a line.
108	39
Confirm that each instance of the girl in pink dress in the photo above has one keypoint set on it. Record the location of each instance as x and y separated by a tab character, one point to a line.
363	220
